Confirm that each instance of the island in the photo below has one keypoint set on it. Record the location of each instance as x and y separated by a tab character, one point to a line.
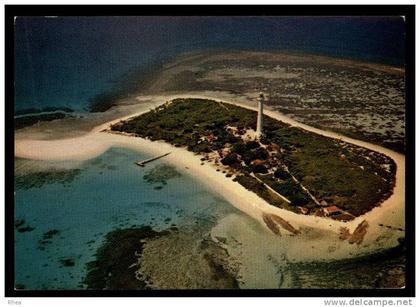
204	162
288	167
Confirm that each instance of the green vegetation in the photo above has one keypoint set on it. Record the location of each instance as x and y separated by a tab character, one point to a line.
184	122
258	187
335	173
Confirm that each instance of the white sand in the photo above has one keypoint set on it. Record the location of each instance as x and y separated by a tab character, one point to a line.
391	212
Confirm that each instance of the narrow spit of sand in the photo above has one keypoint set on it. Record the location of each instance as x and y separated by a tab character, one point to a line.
391	212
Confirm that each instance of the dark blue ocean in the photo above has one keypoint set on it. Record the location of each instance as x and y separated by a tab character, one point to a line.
67	60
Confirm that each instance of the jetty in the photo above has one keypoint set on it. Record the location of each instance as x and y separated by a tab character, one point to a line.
144	162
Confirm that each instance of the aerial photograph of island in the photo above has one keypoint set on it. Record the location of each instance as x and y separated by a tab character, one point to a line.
209	152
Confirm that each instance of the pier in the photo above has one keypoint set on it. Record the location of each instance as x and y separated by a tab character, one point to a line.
144	162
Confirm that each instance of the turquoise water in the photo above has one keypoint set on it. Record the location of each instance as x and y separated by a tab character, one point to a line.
110	192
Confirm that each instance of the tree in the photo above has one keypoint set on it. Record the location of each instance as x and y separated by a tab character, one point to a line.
261	169
230	159
261	154
298	199
239	148
281	174
252	145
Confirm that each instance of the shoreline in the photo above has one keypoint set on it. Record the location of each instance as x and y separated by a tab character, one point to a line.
96	142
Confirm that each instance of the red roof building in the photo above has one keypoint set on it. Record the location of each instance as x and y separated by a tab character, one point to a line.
332	210
257	162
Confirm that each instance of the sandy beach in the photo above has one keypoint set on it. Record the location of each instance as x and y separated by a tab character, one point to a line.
390	212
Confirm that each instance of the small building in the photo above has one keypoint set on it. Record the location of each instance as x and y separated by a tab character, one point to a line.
332	210
257	162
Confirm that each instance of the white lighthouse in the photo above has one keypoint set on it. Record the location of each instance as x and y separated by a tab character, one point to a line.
259	131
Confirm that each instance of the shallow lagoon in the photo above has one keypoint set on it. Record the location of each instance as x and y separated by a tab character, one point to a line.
109	193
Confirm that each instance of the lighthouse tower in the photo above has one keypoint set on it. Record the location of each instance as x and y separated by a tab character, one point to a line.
259	131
